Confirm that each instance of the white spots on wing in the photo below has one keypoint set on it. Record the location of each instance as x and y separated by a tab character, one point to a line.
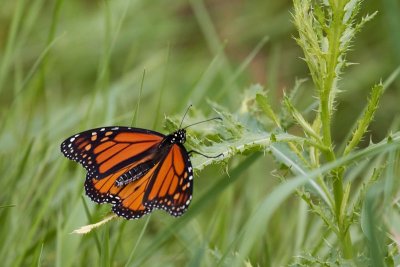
191	177
94	133
127	213
115	128
102	129
72	139
190	169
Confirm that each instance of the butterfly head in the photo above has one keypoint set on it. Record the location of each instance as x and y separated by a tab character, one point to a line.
178	137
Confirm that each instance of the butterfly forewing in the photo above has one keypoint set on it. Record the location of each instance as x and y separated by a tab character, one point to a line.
106	150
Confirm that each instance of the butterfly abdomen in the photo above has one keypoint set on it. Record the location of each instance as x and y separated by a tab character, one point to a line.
135	173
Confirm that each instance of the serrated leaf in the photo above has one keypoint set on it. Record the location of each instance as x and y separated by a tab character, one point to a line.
365	120
300	119
263	103
229	137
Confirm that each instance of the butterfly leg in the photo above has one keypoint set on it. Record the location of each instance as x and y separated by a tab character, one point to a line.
209	157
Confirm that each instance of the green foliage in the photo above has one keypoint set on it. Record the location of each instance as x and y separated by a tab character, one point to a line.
325	35
308	176
365	120
237	133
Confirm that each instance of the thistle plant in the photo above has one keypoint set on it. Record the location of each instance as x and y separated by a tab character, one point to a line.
326	30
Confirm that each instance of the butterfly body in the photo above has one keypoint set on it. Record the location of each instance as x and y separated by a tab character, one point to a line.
136	170
178	137
135	173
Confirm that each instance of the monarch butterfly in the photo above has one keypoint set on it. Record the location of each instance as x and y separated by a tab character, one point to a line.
137	170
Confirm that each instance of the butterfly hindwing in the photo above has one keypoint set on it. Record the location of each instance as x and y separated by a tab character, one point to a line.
168	185
103	151
127	199
171	186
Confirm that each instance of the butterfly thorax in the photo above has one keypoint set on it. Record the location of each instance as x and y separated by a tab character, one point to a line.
177	137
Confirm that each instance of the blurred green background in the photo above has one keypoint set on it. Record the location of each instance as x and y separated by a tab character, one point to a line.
67	66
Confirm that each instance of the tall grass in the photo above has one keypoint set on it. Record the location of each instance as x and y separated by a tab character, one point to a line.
310	167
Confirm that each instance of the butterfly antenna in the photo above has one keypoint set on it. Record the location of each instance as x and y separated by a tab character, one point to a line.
216	118
184	115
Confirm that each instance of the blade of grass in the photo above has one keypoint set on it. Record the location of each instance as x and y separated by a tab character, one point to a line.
390	15
130	258
370	224
229	85
157	114
197	95
105	248
136	112
212	38
90	219
11	41
40	213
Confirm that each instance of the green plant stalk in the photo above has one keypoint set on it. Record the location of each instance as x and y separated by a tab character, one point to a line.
330	156
337	176
327	96
323	51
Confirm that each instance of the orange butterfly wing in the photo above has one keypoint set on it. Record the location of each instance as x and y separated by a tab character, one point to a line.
127	199
171	185
104	151
168	185
108	153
